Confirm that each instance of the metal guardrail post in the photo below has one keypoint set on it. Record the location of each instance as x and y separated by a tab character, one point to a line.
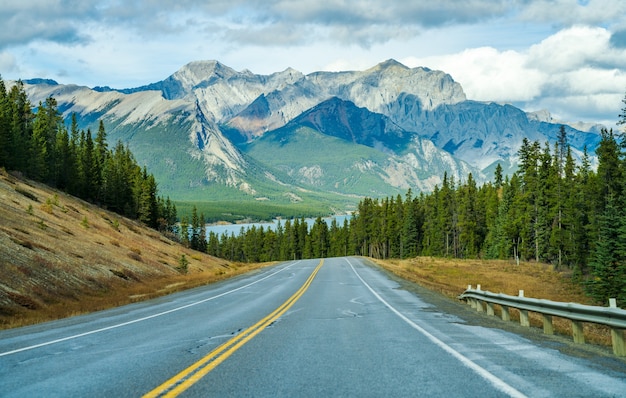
523	314
547	324
617	335
577	332
489	308
613	317
506	315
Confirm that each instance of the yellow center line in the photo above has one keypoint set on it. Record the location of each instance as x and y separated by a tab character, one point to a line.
189	376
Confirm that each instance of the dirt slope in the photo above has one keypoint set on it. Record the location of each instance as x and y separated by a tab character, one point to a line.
61	256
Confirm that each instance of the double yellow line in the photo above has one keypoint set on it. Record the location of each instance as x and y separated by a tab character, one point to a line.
185	379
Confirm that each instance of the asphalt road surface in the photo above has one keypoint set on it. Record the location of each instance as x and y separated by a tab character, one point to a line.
312	328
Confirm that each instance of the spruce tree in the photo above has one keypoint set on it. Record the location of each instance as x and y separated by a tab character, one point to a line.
101	152
65	166
39	150
147	211
21	128
319	239
608	261
184	231
412	228
468	221
6	139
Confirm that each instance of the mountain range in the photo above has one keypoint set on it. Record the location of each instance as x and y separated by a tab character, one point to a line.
322	140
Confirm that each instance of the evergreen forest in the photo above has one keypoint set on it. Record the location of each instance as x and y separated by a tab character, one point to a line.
35	142
553	209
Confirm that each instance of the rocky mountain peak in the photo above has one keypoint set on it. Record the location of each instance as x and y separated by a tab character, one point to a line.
278	80
210	127
197	72
388	64
343	119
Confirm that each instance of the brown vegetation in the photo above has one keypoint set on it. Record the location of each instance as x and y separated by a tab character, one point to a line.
60	256
452	276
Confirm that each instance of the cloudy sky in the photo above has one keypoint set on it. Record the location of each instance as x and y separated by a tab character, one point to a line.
567	56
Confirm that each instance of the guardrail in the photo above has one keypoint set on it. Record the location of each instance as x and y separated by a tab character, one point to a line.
610	316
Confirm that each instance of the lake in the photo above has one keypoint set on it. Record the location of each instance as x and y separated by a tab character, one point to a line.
236	228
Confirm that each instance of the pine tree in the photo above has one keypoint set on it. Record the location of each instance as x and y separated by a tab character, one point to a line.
334	239
269	246
557	235
43	156
468	221
545	205
527	203
585	217
213	245
448	217
608	262
203	238
21	128
515	221
6	139
412	226
147	211
184	231
571	215
498	177
39	150
194	242
319	239
288	247
87	167
610	173
621	121
252	244
167	215
101	152
74	154
434	233
65	166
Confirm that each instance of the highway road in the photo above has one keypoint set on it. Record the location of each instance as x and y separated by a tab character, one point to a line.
311	328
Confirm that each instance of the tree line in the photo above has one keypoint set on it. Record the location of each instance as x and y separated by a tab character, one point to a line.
36	142
553	209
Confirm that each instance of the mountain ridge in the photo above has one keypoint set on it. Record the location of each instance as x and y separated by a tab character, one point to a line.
194	128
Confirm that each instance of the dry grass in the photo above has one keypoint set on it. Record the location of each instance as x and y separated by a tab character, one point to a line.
451	277
60	256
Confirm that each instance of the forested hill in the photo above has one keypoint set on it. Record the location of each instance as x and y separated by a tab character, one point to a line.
36	142
209	131
552	210
62	256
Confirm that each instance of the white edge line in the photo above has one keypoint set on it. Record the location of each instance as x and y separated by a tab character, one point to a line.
2	354
485	374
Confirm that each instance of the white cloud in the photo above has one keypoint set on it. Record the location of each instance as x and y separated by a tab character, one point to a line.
533	53
487	74
573	48
571	12
7	62
575	73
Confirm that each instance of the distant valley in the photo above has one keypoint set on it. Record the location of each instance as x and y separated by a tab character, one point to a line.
313	143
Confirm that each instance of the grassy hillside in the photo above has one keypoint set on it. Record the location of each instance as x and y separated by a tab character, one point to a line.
451	277
60	256
338	165
164	149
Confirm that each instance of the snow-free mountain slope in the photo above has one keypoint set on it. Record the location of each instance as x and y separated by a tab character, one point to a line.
209	132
